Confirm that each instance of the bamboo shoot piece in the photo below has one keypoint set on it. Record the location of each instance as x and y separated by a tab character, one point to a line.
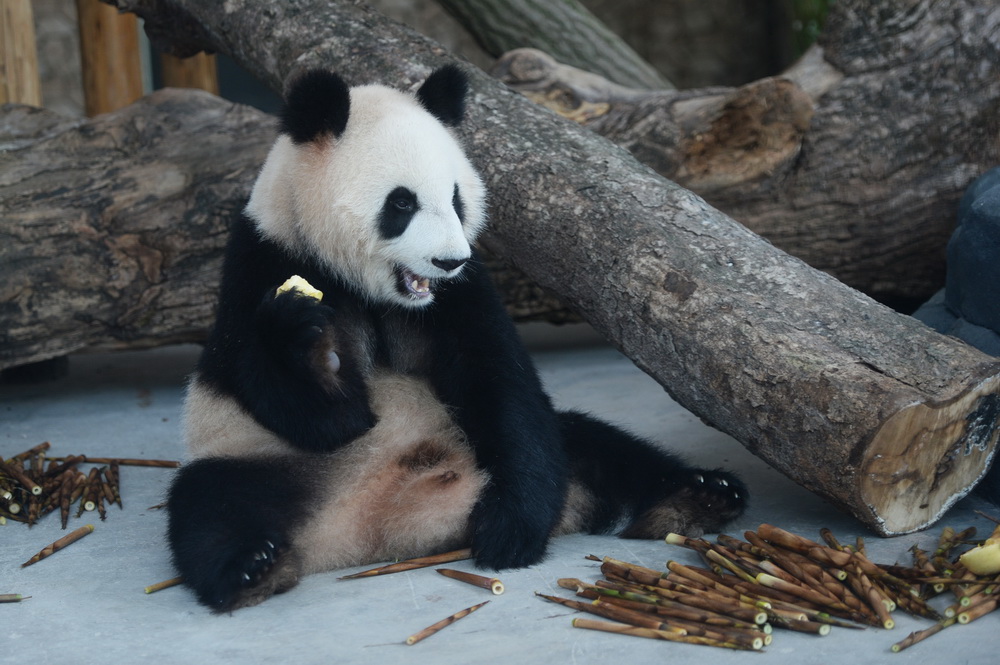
65	541
412	564
490	583
443	623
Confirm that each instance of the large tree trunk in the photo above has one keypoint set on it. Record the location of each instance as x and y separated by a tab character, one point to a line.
871	409
113	228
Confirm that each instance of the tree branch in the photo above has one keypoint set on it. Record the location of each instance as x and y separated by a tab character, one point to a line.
565	29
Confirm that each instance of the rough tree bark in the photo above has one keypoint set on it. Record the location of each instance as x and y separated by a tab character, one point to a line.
868	408
854	161
565	29
113	228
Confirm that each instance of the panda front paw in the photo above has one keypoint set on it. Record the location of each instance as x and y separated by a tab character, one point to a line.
504	537
292	324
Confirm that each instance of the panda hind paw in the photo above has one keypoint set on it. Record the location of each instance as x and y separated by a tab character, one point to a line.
705	501
263	567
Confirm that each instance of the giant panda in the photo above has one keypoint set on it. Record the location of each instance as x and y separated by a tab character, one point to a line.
399	415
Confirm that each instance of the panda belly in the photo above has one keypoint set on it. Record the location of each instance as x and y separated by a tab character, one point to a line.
405	488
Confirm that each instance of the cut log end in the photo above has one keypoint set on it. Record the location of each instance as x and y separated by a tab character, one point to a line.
929	455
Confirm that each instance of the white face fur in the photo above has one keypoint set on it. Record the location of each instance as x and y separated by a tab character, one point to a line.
328	198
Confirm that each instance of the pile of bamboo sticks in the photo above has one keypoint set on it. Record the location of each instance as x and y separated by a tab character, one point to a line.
776	579
33	485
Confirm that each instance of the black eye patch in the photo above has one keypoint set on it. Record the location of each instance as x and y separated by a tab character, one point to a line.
399	208
456	203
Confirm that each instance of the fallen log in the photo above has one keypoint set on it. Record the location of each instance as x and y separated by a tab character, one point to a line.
112	229
870	409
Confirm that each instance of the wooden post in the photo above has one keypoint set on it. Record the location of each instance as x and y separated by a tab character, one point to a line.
18	60
109	51
198	71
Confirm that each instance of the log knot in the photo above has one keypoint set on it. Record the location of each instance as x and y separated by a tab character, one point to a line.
757	130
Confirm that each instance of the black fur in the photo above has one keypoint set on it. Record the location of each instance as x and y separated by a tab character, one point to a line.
630	478
456	203
397	211
231	520
228	524
259	353
262	349
318	102
443	94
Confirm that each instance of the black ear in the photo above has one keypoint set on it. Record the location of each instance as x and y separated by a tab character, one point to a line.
318	102
443	94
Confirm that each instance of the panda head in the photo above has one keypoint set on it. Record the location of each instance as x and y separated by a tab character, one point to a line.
373	184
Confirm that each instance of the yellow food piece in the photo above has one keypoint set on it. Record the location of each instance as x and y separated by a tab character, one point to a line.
983	559
302	286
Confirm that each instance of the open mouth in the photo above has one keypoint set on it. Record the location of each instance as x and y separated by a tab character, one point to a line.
413	284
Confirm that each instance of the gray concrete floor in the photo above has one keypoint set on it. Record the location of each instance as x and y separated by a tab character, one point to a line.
87	603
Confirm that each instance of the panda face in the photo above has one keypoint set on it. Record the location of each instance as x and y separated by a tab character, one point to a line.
390	202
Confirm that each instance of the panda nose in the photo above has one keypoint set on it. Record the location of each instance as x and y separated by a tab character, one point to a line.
449	264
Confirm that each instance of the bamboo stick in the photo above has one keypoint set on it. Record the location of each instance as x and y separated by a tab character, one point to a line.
124	461
12	597
443	623
412	564
973	612
66	540
165	584
30	452
489	583
15	472
622	629
748	610
613	612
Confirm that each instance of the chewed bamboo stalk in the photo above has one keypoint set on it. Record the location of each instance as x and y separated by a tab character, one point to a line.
12	597
795	583
30	452
613	612
623	629
13	471
443	623
165	584
412	564
66	540
489	583
921	635
122	461
977	610
803	545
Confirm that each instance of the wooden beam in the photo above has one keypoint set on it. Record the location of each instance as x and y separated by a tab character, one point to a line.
198	71
109	53
18	60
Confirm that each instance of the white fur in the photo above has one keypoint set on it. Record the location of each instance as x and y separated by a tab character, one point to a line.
378	509
373	506
324	197
216	425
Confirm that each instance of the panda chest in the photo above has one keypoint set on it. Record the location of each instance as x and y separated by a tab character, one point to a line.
396	345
